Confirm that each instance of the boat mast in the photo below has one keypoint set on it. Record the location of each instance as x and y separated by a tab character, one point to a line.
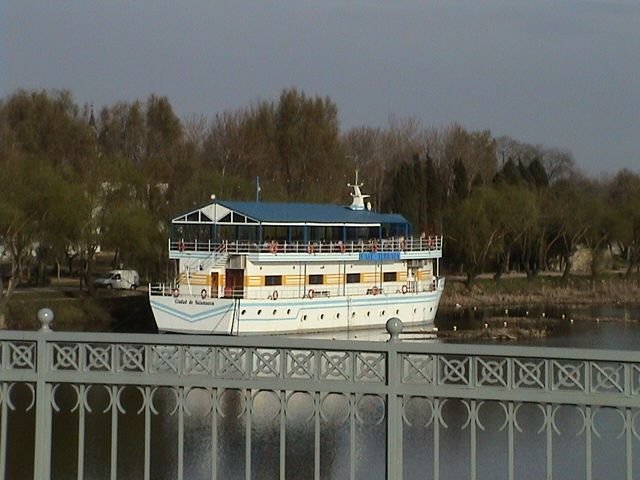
358	197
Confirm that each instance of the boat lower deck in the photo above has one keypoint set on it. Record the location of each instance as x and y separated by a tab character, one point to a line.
193	314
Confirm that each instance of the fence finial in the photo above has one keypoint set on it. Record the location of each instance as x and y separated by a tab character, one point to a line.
394	327
45	316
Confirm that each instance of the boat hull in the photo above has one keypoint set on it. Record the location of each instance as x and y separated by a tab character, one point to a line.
229	316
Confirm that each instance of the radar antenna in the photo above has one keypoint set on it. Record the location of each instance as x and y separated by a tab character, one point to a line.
358	197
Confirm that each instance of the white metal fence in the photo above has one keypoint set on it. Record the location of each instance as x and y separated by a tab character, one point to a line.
100	405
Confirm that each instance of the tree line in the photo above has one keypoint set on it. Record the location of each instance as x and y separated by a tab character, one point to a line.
74	181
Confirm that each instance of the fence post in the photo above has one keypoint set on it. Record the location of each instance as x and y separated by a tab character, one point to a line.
394	410
42	450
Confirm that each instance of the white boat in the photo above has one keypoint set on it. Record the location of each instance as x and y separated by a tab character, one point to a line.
267	268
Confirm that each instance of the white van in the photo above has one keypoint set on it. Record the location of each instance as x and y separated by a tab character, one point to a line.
119	279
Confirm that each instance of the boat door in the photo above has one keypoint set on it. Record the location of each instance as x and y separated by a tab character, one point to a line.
234	284
214	284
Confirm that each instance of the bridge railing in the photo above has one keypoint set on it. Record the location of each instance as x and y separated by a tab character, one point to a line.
101	405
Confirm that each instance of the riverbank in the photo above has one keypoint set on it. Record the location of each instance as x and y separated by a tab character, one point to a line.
542	290
129	311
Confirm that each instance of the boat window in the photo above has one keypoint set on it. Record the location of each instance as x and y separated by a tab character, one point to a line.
248	233
276	233
226	232
325	233
316	279
296	234
353	278
271	280
390	276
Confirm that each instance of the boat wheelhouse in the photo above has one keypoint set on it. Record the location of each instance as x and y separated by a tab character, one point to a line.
260	267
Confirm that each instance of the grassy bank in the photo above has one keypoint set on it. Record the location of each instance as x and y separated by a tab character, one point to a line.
544	289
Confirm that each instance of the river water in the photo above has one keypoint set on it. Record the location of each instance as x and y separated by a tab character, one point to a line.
613	327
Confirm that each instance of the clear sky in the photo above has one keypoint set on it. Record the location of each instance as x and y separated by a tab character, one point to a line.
563	73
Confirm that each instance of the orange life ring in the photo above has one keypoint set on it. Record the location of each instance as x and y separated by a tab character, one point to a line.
310	293
203	293
310	248
274	296
405	289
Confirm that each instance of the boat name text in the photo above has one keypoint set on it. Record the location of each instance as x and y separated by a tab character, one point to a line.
379	256
182	301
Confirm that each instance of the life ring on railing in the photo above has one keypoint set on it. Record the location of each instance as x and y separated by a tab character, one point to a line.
375	290
374	245
203	293
175	292
274	296
273	247
310	248
404	289
310	293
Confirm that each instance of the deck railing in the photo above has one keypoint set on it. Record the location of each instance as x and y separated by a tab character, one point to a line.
278	292
100	405
411	244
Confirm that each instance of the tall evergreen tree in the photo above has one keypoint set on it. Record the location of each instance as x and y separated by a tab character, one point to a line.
460	180
538	174
433	195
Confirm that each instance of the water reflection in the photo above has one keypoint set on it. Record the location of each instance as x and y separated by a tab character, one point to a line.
224	432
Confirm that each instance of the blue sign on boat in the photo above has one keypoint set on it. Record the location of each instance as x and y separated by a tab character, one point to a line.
379	256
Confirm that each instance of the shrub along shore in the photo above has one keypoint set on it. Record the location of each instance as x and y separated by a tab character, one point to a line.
76	311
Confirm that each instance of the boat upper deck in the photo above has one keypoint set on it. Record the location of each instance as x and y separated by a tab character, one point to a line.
268	229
